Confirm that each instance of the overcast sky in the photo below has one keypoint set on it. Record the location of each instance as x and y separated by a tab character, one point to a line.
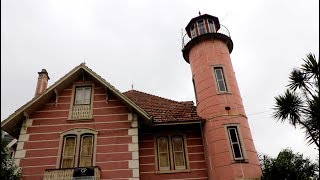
139	42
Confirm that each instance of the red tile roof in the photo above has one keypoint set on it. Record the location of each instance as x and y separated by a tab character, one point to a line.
164	110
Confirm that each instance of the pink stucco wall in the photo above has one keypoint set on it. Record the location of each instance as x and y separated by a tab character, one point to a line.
211	106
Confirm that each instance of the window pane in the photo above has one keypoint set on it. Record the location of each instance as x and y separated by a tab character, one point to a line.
79	96
201	27
219	74
179	160
67	163
237	151
87	95
164	161
69	152
221	85
86	151
177	143
211	26
233	135
162	144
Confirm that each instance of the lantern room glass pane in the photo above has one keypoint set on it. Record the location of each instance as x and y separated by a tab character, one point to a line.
212	28
201	27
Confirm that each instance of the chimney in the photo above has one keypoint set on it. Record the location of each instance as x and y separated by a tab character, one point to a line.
42	82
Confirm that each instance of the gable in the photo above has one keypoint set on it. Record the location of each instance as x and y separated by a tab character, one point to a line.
13	123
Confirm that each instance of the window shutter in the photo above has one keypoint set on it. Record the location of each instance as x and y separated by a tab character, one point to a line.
178	152
68	152
86	151
163	153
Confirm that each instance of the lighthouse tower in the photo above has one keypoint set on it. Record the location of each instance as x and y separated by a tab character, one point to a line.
229	147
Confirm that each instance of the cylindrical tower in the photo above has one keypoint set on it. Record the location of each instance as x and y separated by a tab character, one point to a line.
229	147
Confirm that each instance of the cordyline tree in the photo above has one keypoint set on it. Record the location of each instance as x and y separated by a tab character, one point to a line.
300	104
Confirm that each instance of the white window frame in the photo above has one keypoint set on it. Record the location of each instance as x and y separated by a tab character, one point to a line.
235	128
223	80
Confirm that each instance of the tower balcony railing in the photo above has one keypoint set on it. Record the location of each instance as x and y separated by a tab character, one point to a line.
185	38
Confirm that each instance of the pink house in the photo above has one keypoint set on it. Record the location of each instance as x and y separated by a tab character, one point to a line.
81	127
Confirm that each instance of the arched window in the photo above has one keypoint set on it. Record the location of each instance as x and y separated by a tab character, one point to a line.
77	148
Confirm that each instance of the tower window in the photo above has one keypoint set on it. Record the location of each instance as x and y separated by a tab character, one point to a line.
235	142
193	31
201	27
195	90
212	29
222	87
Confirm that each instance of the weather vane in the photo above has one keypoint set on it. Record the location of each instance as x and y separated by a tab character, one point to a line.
84	60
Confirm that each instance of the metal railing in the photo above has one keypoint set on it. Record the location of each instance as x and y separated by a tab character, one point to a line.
67	174
185	38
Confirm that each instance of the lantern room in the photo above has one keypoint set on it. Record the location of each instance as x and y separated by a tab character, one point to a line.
202	24
202	28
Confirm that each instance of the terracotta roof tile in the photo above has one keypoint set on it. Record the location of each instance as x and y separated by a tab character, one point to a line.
164	110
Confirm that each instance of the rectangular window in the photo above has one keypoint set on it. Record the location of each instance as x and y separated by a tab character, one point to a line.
171	153
70	151
195	90
83	95
212	29
235	143
221	83
82	103
201	27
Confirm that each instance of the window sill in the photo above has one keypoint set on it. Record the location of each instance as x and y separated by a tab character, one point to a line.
80	120
221	93
240	161
173	171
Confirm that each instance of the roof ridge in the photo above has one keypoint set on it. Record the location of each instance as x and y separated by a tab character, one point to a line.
167	99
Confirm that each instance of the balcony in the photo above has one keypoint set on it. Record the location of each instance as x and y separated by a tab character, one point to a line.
86	173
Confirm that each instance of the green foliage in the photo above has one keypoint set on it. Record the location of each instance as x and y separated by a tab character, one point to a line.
300	104
8	170
288	166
